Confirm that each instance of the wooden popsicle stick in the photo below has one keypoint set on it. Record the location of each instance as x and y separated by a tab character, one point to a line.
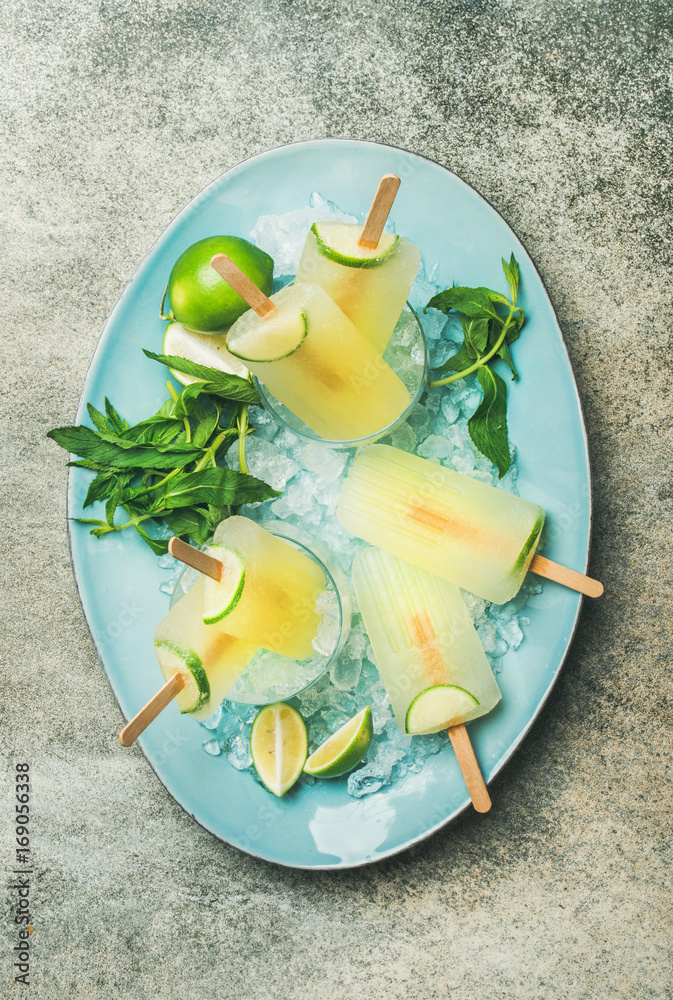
242	284
196	559
379	212
469	767
154	707
568	577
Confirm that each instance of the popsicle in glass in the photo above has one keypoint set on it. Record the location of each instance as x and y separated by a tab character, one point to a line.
268	591
476	536
427	651
312	358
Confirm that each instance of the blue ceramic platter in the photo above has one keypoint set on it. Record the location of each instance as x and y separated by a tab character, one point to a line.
118	577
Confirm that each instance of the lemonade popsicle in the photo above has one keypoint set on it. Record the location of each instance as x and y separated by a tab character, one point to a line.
268	591
427	651
369	286
476	536
208	659
313	360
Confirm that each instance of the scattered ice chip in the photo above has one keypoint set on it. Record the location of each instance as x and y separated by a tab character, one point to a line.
237	752
511	632
213	721
365	781
486	633
213	748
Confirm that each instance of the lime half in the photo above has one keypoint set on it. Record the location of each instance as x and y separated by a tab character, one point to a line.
439	707
344	749
220	599
278	746
203	349
338	241
200	298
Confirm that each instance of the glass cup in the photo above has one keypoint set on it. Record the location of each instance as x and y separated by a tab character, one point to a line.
270	677
407	355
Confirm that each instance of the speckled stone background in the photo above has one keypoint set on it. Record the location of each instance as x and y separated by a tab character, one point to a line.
114	114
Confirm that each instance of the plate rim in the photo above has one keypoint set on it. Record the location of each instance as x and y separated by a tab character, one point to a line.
516	743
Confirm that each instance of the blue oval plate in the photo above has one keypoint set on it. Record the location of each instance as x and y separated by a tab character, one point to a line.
118	578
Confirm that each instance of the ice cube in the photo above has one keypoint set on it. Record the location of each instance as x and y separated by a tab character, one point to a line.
326	462
435	447
265	461
510	631
345	672
237	752
450	410
403	437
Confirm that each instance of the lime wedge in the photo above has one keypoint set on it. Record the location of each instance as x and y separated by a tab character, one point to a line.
338	241
439	707
344	749
270	339
220	599
172	659
202	349
278	745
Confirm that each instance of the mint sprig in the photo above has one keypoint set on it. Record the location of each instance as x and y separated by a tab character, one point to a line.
164	468
490	323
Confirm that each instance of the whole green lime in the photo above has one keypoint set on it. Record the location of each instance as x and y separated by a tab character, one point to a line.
202	300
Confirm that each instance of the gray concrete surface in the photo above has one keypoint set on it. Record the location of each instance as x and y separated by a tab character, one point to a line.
114	114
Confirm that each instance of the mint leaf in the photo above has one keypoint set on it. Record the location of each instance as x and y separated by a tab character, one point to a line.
488	423
97	419
158	545
215	486
116	422
204	428
469	301
99	488
513	331
512	274
214	381
85	442
464	358
190	522
475	333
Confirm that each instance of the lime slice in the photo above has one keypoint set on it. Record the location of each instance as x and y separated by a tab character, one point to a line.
344	749
202	349
200	298
220	599
172	659
439	707
269	339
278	745
338	241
